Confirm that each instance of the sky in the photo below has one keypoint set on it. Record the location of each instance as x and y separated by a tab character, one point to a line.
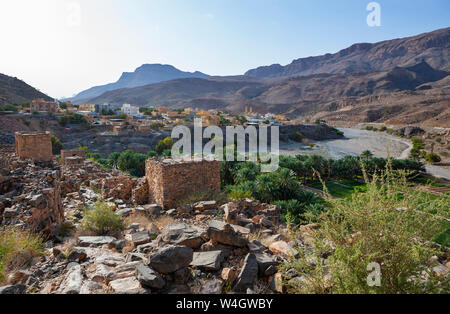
63	47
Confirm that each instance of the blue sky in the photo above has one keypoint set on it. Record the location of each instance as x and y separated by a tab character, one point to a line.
219	37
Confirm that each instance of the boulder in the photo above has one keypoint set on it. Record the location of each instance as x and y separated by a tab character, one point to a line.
224	233
266	264
212	287
73	281
140	238
148	277
282	248
209	205
248	274
95	241
184	234
127	286
208	260
170	258
15	289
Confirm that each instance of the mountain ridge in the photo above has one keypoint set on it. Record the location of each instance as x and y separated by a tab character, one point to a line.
16	91
144	75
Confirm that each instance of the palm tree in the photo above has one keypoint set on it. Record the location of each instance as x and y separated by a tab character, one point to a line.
367	154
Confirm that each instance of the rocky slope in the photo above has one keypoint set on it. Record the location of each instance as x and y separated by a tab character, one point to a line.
15	91
364	57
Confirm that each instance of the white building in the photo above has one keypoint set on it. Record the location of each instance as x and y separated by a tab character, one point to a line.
130	110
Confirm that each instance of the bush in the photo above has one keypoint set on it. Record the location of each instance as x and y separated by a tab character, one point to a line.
72	118
237	194
391	225
17	248
432	158
56	145
101	220
164	144
297	137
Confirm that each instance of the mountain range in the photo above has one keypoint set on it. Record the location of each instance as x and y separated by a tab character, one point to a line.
402	80
314	85
144	75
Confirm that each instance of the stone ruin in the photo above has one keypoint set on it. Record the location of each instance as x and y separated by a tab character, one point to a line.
169	180
34	145
72	157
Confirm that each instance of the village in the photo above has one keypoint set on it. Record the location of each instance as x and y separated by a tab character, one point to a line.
130	119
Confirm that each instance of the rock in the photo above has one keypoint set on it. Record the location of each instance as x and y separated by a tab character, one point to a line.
140	238
276	284
209	205
208	260
184	234
90	287
123	271
170	258
10	212
127	286
229	275
248	274
77	255
15	289
224	233
171	212
440	270
146	248
185	209
135	257
95	241
153	210
73	281
148	277
109	258
182	276
282	248
125	212
266	264
212	287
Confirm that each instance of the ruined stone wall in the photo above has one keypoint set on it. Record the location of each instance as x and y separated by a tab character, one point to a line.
34	145
65	154
169	180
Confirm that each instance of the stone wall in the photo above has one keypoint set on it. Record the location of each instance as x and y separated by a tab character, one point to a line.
170	180
34	145
67	154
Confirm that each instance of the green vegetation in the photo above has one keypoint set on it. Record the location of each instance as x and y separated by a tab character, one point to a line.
12	108
72	119
102	220
56	145
17	248
391	225
224	122
147	111
297	137
105	112
432	158
164	145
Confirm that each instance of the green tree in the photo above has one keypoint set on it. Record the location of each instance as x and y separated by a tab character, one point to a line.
163	145
56	145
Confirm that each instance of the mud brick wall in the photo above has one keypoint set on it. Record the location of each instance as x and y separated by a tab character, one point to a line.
170	180
34	145
72	153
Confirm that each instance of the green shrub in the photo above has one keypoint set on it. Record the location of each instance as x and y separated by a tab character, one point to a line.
164	144
374	227
383	129
297	137
237	194
432	158
56	145
17	248
101	220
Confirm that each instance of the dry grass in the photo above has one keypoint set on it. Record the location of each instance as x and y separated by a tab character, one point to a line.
17	249
163	221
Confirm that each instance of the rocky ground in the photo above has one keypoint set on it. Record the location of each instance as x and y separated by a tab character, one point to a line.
198	248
